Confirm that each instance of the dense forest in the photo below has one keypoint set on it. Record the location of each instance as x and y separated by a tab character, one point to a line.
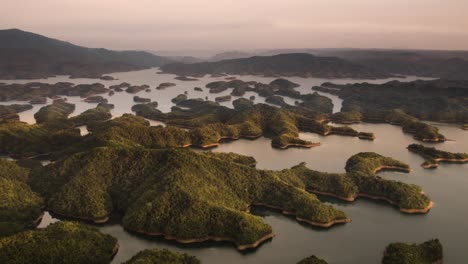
293	64
436	100
210	202
25	55
428	252
62	242
433	156
360	181
162	256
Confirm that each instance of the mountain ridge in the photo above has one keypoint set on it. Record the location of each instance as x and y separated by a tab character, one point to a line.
26	55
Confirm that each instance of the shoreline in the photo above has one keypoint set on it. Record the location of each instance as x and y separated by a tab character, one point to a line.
216	144
391	168
208	238
88	219
375	197
444	160
299	219
295	145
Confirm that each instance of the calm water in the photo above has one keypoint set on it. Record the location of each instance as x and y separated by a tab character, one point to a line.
374	224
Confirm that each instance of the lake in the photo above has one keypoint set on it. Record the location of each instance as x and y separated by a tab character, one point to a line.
374	225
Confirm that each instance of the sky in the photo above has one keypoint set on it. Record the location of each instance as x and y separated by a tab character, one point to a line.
244	24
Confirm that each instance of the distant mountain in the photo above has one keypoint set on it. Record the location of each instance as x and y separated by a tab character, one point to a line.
230	55
185	59
296	64
430	63
25	55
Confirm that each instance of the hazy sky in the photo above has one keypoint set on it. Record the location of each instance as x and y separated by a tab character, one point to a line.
244	24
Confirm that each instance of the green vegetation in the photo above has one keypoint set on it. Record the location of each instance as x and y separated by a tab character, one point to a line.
19	139
436	100
211	122
61	242
359	180
55	133
312	260
292	64
346	117
433	156
162	256
139	99
96	99
242	103
58	110
165	85
179	98
225	98
161	192
9	112
20	207
98	114
233	157
429	252
315	102
368	163
420	130
136	88
33	91
276	100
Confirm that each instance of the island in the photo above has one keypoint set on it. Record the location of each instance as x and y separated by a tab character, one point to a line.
205	204
61	242
185	78
21	208
96	99
33	91
10	112
165	85
124	162
138	99
429	252
210	123
136	88
434	156
360	181
225	98
162	256
312	260
403	104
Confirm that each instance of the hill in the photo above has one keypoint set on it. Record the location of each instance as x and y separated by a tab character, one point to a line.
430	63
62	242
25	55
295	64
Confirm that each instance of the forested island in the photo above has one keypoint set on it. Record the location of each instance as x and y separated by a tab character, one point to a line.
434	156
62	242
437	100
429	252
360	181
162	256
80	186
312	260
124	162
